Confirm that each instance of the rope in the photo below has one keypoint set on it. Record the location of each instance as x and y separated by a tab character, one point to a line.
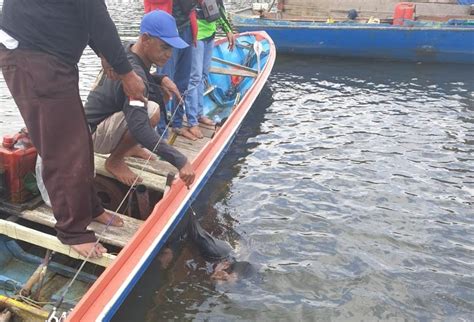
180	104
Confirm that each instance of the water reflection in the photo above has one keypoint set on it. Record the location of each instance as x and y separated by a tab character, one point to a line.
350	186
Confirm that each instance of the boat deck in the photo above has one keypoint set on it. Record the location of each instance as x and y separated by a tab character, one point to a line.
154	175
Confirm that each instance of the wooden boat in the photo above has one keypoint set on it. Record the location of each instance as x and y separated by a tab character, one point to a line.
235	81
430	32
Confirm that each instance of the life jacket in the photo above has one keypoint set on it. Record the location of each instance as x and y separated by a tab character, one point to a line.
167	5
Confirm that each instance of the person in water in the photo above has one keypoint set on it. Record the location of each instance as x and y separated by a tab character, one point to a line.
41	43
117	123
215	251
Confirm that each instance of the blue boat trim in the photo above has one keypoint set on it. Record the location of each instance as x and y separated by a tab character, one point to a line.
431	43
178	218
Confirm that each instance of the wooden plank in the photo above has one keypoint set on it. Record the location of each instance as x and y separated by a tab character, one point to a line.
238	66
231	71
188	153
191	145
47	241
158	167
116	236
207	130
151	180
190	148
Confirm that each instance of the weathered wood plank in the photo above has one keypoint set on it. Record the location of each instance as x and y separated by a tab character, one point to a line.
238	66
188	153
151	180
158	167
116	236
19	232
191	145
207	130
232	71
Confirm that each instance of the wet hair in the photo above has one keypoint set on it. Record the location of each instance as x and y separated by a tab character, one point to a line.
243	269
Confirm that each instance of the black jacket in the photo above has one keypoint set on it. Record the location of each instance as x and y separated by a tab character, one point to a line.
63	28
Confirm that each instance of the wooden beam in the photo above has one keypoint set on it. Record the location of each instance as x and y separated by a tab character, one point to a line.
47	241
158	167
232	71
151	180
116	236
238	66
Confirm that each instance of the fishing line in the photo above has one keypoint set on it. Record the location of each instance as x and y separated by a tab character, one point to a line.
181	104
114	214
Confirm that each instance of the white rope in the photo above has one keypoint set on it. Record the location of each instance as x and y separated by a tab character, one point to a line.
180	103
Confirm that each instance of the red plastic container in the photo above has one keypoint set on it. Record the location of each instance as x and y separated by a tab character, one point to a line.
403	11
17	158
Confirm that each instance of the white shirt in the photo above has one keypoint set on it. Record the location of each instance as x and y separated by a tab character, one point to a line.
7	40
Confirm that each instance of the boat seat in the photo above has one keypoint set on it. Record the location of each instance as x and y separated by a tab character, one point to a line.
209	90
154	174
187	147
116	236
34	237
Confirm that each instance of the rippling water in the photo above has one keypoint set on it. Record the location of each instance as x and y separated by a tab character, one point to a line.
350	187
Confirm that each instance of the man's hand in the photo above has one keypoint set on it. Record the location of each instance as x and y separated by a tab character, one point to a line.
187	174
133	86
108	70
231	40
169	88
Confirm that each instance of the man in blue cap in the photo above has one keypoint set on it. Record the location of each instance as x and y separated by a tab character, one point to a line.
119	124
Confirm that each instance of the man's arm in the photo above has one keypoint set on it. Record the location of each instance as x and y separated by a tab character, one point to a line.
138	124
104	37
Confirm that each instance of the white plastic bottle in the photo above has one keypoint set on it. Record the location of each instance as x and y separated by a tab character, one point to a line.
39	181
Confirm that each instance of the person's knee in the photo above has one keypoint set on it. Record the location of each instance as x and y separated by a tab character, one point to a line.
154	113
155	119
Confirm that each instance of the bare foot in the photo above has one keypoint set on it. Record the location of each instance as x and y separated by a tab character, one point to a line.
185	133
96	251
106	218
120	170
141	153
196	132
206	120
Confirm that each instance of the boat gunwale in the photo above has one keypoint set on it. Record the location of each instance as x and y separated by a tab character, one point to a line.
308	24
106	294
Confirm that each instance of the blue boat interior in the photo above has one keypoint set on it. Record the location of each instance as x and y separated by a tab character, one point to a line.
224	91
18	265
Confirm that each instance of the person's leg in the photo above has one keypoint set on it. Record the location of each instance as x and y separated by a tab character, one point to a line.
112	136
195	79
181	79
47	95
207	58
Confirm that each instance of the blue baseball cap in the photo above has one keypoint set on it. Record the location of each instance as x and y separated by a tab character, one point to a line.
158	23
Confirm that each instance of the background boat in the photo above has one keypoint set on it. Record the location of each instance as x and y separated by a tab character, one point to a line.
434	32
